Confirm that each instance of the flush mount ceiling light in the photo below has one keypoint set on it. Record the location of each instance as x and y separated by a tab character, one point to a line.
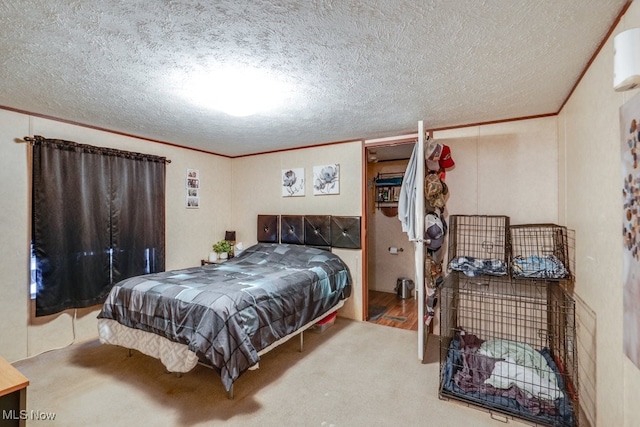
238	92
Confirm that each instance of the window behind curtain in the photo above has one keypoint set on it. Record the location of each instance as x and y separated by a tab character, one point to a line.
97	217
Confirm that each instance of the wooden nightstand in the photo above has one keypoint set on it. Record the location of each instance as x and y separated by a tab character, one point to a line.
13	395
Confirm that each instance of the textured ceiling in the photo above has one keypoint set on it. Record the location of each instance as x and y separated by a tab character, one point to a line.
350	69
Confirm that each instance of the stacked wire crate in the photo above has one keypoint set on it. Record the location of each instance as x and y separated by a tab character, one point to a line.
511	285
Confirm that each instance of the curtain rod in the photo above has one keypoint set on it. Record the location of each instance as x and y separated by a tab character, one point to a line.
37	139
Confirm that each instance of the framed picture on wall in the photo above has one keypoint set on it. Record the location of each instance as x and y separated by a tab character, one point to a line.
630	150
193	183
293	182
193	173
193	189
193	202
326	179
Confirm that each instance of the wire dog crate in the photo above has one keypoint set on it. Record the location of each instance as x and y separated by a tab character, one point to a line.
478	236
509	346
478	244
542	251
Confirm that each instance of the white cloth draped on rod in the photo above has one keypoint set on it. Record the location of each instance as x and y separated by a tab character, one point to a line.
407	200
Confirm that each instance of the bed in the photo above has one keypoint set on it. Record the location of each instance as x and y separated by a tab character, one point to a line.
227	315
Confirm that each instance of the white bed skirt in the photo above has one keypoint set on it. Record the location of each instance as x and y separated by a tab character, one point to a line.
174	356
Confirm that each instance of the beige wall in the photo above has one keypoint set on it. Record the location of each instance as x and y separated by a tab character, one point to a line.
14	227
590	188
189	232
504	169
256	186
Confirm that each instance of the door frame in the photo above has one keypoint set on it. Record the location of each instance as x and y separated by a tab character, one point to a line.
417	138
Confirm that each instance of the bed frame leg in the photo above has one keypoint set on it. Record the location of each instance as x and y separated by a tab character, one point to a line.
230	393
301	341
176	374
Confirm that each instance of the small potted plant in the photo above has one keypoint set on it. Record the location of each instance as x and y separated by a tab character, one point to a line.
222	248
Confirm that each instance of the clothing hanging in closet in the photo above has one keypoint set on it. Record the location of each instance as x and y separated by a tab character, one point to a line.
407	200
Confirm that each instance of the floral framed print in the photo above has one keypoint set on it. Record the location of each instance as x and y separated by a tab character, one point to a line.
326	179
293	182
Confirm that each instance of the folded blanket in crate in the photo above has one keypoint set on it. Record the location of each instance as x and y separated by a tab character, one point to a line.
472	267
522	366
467	370
548	267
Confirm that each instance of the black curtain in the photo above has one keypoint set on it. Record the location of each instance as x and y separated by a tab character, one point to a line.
97	217
137	217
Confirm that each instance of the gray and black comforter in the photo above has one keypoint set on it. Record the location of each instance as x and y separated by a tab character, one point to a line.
227	313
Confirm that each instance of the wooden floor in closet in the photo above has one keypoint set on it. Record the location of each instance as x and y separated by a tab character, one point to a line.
396	312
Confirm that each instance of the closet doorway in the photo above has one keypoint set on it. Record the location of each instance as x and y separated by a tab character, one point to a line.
390	287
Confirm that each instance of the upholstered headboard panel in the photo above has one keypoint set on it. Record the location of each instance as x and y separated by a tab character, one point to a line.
292	229
317	230
345	232
268	228
313	230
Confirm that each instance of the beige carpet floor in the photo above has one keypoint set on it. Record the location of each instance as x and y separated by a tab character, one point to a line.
353	374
